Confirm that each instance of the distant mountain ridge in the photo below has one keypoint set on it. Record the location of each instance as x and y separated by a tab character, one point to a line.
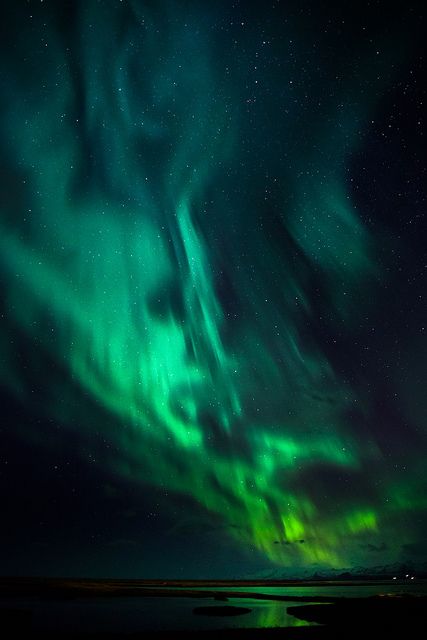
397	570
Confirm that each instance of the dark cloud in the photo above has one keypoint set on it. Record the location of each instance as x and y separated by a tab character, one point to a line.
415	550
375	548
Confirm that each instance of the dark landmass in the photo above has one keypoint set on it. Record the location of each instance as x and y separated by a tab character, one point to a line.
400	571
82	587
391	612
335	615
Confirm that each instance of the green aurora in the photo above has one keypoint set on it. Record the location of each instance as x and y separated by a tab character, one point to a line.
178	222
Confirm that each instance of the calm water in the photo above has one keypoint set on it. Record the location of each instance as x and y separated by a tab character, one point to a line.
132	615
416	587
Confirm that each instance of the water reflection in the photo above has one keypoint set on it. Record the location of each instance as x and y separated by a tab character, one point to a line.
133	615
273	614
137	614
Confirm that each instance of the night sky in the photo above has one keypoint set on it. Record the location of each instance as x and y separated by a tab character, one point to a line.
213	269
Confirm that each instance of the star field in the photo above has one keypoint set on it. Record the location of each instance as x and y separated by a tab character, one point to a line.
212	254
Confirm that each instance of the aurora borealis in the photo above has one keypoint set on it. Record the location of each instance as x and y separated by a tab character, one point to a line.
212	255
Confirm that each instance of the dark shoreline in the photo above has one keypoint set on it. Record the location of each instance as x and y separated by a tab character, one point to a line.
335	615
90	588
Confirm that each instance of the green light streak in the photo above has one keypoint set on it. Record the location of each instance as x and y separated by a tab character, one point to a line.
118	281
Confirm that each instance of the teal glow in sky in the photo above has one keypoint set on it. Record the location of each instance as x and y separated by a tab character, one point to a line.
201	237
